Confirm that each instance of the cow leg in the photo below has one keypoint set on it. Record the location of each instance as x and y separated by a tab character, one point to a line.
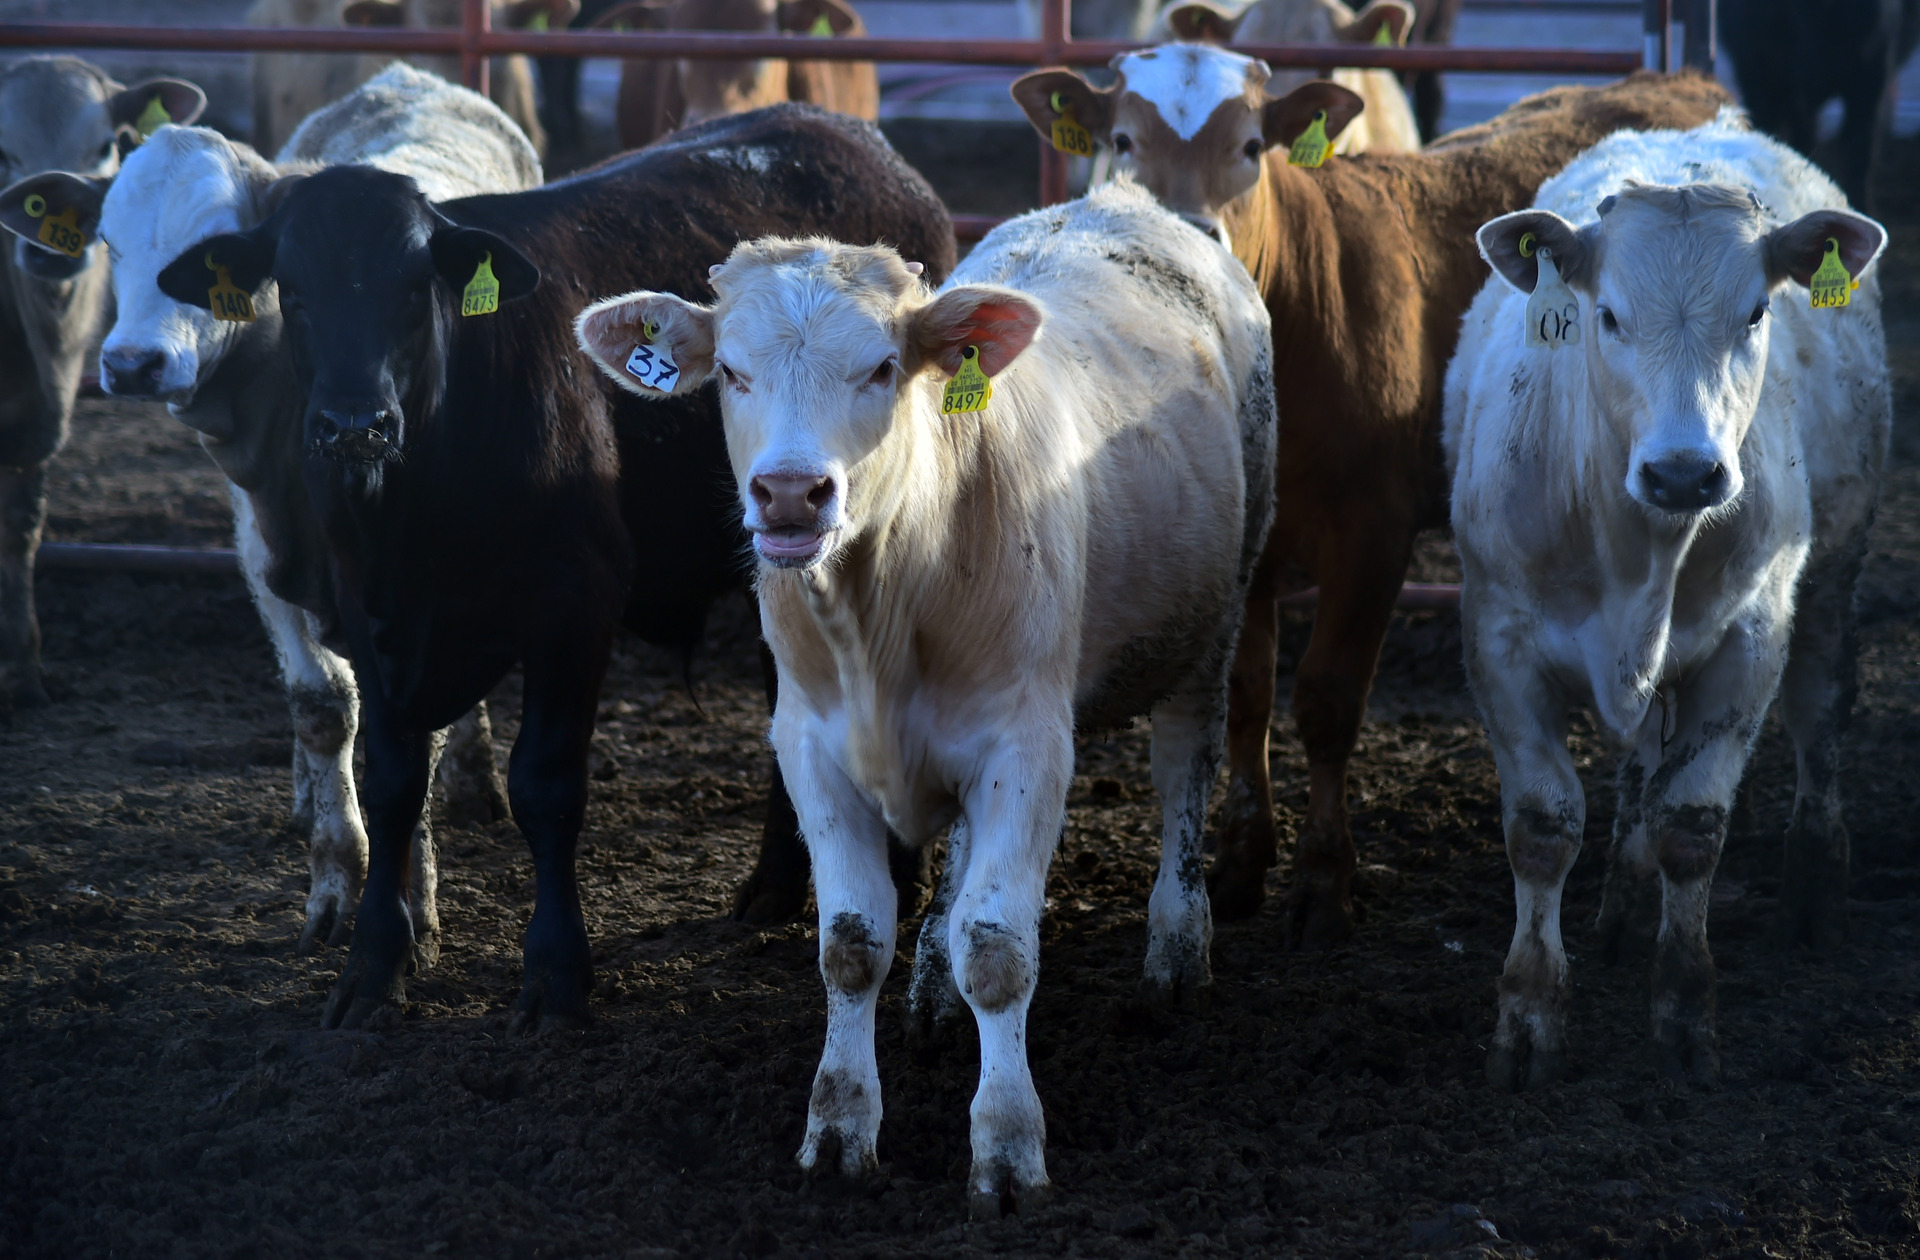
324	705
1015	811
933	1001
1360	576
23	512
776	891
1187	732
547	780
423	868
1816	701
853	892
468	774
1247	843
1629	920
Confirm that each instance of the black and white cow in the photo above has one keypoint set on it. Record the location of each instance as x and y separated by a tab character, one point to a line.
56	114
487	497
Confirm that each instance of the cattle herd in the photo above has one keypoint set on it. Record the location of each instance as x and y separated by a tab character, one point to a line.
474	421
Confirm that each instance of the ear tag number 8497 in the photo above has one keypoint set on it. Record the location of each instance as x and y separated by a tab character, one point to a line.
652	364
1553	313
228	301
970	389
58	232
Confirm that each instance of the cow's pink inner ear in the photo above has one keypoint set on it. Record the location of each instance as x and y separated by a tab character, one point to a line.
1001	329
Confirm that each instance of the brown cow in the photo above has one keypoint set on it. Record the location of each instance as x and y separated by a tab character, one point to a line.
661	96
1367	265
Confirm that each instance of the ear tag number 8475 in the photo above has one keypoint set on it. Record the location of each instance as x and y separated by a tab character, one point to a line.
970	389
228	301
59	232
1553	313
482	294
652	364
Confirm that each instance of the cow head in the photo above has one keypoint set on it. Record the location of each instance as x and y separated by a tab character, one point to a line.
1675	288
1191	122
1293	22
819	349
370	277
61	114
712	89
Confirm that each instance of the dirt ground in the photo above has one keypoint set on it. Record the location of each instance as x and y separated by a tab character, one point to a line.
165	1091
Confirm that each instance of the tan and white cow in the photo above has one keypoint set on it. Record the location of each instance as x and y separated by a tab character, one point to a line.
1664	463
949	595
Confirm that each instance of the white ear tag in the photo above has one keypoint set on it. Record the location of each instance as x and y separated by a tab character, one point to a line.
1553	313
653	365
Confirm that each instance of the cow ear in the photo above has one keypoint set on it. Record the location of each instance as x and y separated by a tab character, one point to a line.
1393	16
636	15
458	253
146	106
72	200
372	13
1796	249
1046	94
804	16
545	15
1203	23
1001	322
613	331
1511	245
246	257
1282	120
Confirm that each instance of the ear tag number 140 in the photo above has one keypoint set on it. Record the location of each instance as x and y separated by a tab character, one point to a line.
1553	313
652	364
58	232
970	389
227	300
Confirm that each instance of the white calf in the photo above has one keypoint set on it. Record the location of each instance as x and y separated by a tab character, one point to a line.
948	595
1636	497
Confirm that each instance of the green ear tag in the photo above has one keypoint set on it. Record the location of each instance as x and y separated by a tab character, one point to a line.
821	28
969	390
1383	35
1068	135
1312	148
482	294
152	118
228	301
1831	284
1528	241
538	22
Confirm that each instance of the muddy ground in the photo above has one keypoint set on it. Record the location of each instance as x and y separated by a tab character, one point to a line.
165	1091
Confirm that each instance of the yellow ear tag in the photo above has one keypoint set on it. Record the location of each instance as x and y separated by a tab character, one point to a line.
1068	135
225	299
1527	242
152	118
1383	35
482	294
60	232
538	22
821	28
969	390
1312	148
1831	282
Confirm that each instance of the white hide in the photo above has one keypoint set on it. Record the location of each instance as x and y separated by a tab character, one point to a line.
1674	629
1185	82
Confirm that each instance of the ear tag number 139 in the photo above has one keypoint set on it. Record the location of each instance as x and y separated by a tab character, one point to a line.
1068	135
652	365
1553	313
228	301
969	390
58	232
1831	285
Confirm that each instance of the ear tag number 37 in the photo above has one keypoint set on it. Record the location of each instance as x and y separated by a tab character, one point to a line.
1068	135
1312	148
228	301
58	232
1553	313
1831	284
652	365
482	294
969	390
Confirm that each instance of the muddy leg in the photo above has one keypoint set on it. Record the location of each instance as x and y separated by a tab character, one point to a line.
776	891
423	870
1816	701
933	1003
1629	920
1247	840
469	775
1359	580
23	511
1187	732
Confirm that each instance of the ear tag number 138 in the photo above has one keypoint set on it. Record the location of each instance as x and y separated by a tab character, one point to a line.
1553	313
58	232
652	365
228	301
969	390
1068	135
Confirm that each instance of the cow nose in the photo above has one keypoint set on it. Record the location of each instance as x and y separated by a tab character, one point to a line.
133	373
786	499
1684	483
356	434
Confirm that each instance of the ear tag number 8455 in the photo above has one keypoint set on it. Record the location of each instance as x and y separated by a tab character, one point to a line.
1553	313
228	301
969	390
652	364
1831	285
59	232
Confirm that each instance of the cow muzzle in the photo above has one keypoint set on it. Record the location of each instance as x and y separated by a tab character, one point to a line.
1684	483
357	437
788	529
135	373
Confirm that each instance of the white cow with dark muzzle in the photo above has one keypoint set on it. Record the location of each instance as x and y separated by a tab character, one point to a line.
949	595
1664	464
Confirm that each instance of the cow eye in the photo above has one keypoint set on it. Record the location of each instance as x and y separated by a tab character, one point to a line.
1122	143
106	150
882	375
1608	322
1759	313
731	378
1253	149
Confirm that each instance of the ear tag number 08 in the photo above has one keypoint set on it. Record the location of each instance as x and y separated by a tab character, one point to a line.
482	294
58	232
1312	148
1068	135
1553	313
228	301
969	390
1831	284
652	365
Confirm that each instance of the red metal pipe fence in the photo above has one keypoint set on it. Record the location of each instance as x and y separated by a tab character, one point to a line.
475	40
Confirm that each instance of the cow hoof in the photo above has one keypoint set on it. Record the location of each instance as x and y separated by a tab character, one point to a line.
24	687
1817	926
1318	915
1234	892
766	900
364	988
1517	1065
426	952
833	1158
994	1192
931	1027
1686	1051
551	1003
326	925
1167	999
